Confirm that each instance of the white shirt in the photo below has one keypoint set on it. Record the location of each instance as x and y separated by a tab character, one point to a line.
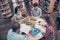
18	15
36	13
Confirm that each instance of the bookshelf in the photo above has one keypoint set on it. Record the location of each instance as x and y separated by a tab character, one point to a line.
47	5
21	3
56	5
5	9
34	1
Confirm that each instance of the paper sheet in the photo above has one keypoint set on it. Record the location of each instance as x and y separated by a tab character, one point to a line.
42	29
25	28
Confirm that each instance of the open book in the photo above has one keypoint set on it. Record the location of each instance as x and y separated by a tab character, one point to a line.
25	28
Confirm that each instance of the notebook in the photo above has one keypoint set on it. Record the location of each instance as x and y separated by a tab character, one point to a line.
25	28
34	31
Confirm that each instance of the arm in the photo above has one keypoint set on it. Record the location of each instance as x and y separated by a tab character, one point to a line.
40	11
14	19
53	32
23	37
54	36
31	12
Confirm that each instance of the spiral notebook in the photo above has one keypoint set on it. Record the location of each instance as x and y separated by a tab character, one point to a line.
34	31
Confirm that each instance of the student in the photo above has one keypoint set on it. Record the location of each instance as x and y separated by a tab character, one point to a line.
36	11
50	28
24	12
14	33
18	14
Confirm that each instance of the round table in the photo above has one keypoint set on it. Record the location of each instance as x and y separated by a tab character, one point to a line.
26	28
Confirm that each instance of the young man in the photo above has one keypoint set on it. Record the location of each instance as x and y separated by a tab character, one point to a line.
36	11
14	33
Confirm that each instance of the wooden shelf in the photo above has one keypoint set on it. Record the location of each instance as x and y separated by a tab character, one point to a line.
5	8
45	4
44	10
4	3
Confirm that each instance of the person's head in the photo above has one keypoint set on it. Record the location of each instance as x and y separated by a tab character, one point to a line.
16	27
35	4
50	20
16	9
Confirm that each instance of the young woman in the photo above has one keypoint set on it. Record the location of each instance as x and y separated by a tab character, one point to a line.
18	14
36	11
50	28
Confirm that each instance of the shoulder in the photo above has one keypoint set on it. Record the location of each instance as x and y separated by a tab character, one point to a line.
21	37
22	9
10	31
51	27
39	9
32	8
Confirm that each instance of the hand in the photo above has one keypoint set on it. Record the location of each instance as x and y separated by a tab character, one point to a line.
23	33
39	16
43	34
31	15
22	17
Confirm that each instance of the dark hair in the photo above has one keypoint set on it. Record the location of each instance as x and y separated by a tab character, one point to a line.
35	4
47	18
50	21
15	26
16	9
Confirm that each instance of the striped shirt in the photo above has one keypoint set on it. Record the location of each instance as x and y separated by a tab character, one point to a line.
50	33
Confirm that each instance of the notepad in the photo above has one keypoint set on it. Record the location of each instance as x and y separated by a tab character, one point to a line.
34	31
25	28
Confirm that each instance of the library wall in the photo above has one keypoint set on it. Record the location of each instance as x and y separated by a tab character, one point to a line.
52	2
35	1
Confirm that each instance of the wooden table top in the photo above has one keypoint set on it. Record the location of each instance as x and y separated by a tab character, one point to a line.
26	28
